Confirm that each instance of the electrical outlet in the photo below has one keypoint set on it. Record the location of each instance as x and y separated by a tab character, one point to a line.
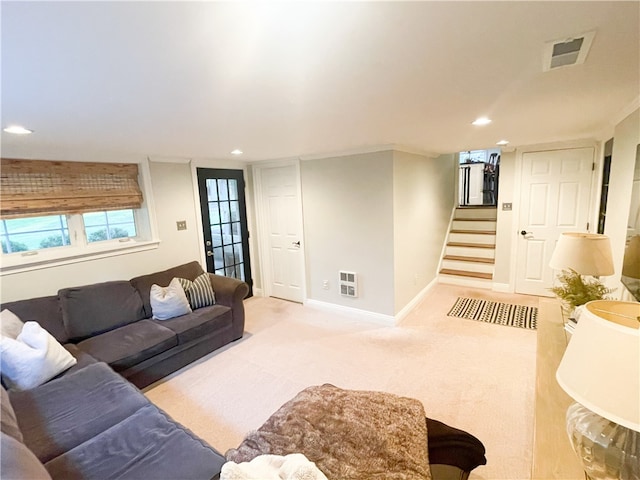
181	224
325	284
507	207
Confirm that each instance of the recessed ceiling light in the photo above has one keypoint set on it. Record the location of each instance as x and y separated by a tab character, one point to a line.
236	152
18	130
503	142
481	121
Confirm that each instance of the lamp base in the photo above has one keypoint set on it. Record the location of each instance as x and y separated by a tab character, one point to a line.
608	451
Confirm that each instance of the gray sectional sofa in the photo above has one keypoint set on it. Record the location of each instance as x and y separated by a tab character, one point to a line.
90	422
111	322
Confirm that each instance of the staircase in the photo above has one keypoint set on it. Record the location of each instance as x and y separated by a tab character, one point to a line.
470	251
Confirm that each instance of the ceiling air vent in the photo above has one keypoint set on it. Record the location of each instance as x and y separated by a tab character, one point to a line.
568	51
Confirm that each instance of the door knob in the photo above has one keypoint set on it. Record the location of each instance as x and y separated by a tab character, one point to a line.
209	253
524	233
297	244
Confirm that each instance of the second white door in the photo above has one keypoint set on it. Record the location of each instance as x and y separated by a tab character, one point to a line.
283	226
554	198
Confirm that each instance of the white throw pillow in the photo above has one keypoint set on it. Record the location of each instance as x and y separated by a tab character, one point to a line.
32	358
10	324
168	302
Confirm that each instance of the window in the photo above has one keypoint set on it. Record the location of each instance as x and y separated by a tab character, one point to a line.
59	212
35	233
101	226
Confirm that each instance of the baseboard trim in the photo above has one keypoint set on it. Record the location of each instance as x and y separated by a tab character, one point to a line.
415	301
379	318
502	288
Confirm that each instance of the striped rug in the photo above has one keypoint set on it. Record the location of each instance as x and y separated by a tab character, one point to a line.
495	312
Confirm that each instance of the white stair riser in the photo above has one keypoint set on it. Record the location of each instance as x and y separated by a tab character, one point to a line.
467	266
473	225
465	281
471	252
489	213
472	238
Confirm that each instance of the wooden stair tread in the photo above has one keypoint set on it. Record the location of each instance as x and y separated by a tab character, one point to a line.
461	258
475	219
464	273
471	245
479	232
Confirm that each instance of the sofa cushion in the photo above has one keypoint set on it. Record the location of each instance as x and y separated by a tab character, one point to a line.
130	344
82	358
70	410
18	462
8	420
44	310
92	309
148	445
143	283
199	323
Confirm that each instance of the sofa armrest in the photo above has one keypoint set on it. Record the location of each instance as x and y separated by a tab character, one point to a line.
231	292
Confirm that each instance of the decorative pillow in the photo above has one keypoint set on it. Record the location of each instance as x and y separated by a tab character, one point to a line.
168	302
199	292
10	324
32	358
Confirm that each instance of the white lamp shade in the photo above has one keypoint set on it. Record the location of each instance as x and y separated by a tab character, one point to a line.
586	253
601	366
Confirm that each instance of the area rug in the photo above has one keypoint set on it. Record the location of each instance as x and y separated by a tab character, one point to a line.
495	312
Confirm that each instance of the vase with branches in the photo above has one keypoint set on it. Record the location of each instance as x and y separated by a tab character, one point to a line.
574	290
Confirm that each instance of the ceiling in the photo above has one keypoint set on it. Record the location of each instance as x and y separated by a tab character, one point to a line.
277	80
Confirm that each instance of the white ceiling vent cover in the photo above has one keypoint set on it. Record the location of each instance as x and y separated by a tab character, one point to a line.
567	51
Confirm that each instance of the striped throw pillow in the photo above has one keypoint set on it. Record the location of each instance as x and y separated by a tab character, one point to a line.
199	291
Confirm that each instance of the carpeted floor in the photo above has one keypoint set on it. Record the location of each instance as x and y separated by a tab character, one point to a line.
476	376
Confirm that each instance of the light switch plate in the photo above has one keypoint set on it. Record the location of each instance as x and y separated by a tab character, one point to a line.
181	224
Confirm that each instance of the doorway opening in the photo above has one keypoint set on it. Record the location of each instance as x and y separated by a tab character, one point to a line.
478	178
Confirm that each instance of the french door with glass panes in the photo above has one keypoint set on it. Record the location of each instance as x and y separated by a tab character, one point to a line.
224	223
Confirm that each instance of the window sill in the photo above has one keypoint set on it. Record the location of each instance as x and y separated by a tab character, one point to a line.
18	263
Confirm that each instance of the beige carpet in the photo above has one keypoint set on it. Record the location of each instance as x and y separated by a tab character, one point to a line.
472	375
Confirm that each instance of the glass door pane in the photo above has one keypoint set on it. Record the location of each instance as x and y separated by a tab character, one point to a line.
224	222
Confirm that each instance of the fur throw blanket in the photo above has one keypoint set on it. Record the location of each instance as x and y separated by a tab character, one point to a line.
348	434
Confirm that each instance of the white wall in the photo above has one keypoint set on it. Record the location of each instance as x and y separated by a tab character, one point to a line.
505	221
422	205
348	224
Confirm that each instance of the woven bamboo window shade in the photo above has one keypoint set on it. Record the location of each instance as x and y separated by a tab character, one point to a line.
30	188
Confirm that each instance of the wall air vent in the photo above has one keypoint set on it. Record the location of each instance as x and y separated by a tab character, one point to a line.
348	282
567	51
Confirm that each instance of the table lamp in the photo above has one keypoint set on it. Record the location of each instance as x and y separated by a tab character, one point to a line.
600	370
580	254
585	253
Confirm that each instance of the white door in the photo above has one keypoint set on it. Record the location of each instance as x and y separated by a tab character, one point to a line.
282	225
554	198
471	184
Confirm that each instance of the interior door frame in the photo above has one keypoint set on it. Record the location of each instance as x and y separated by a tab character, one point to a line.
594	194
261	224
